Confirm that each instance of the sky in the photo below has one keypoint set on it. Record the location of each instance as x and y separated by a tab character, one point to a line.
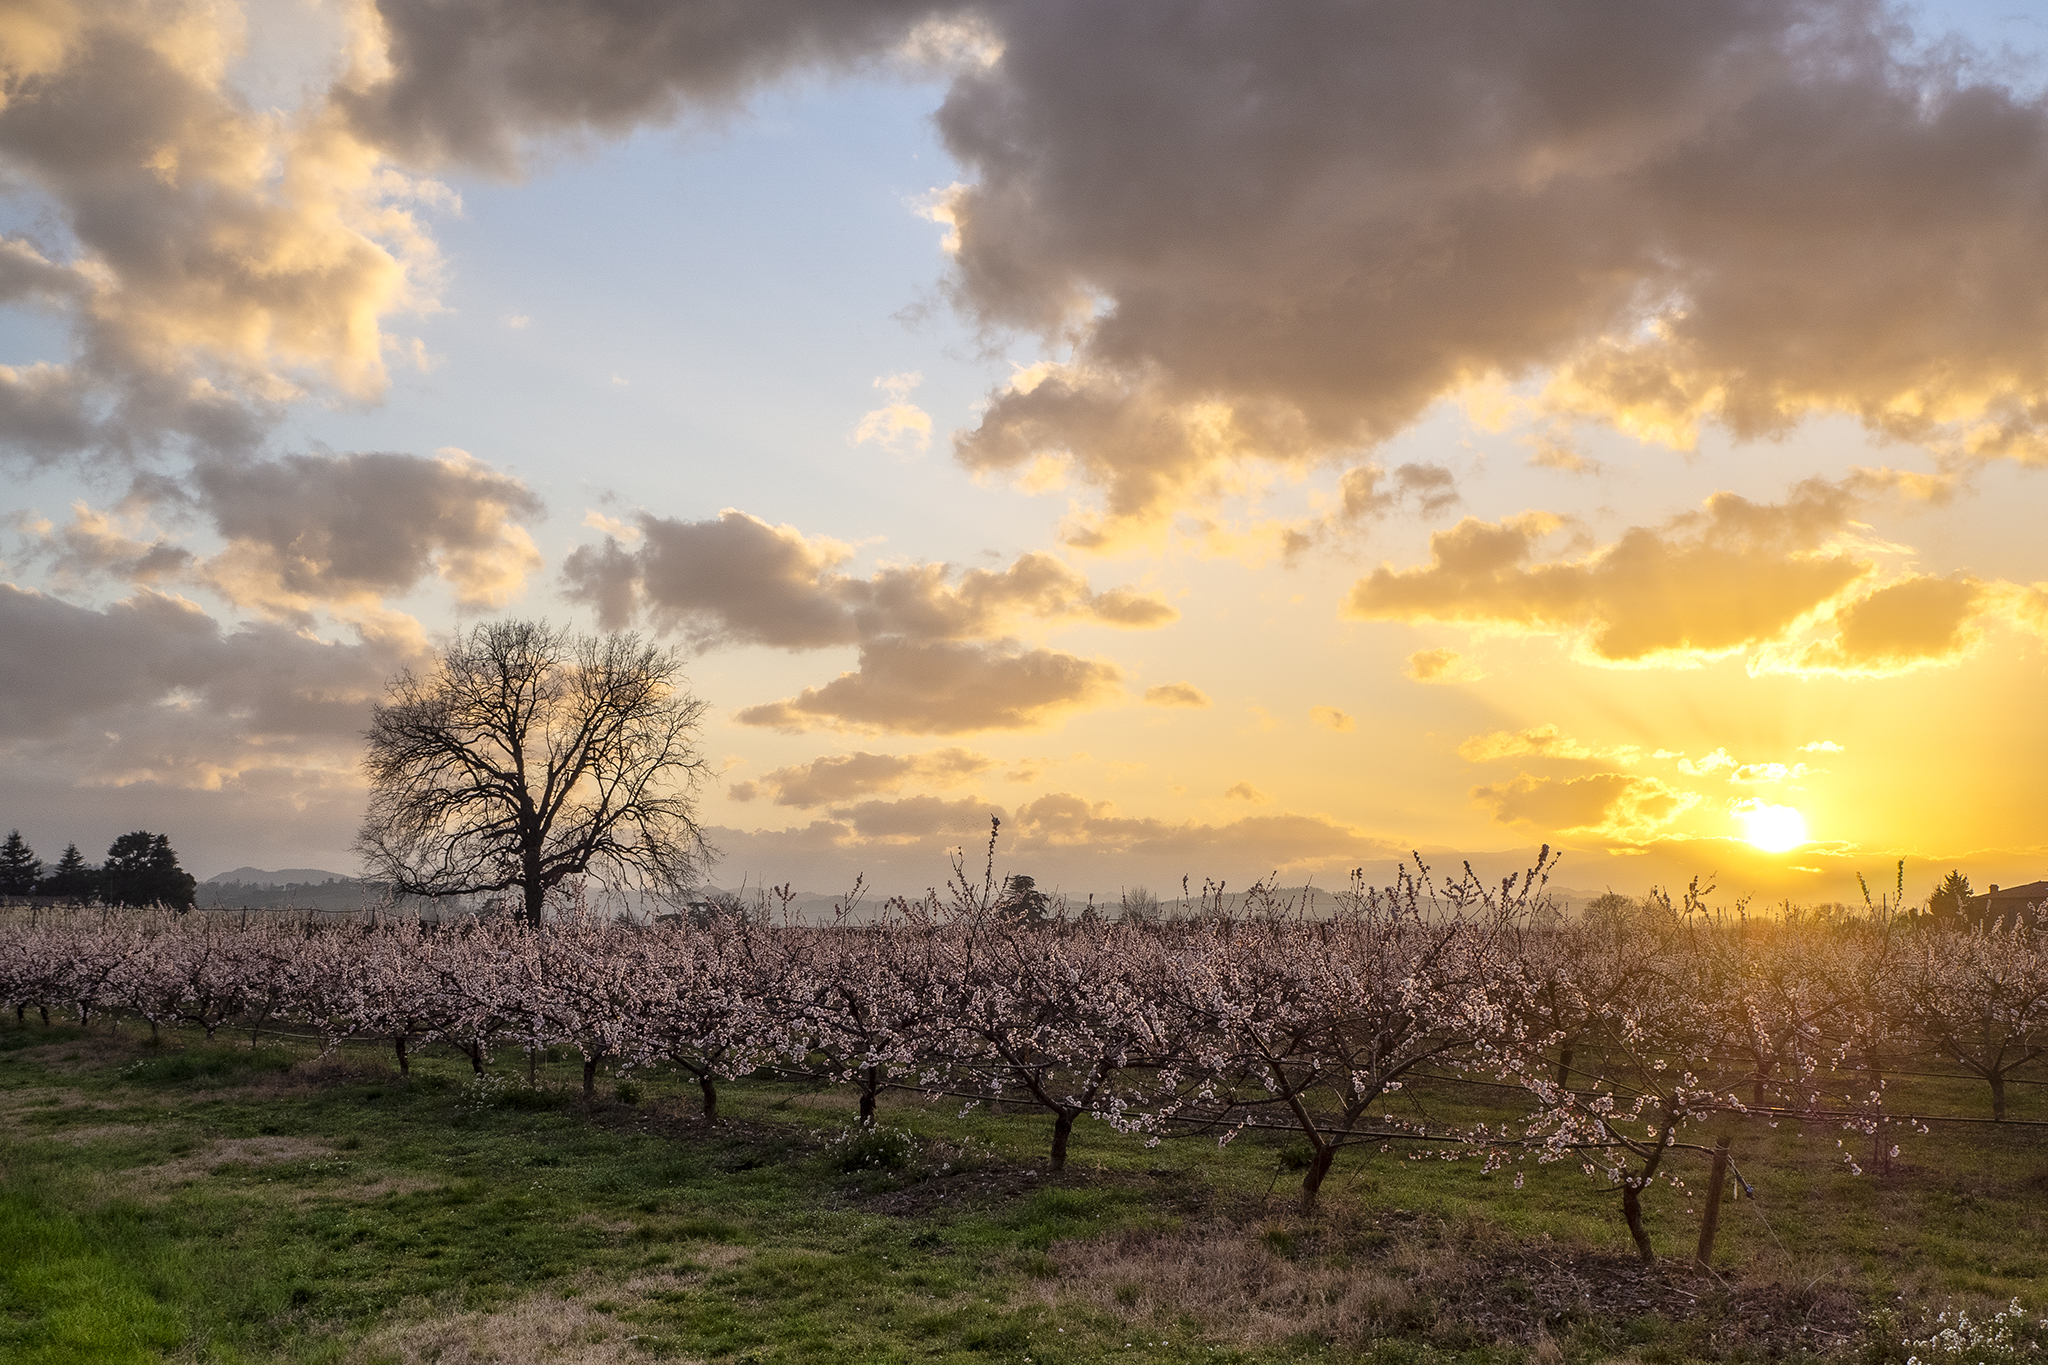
1218	441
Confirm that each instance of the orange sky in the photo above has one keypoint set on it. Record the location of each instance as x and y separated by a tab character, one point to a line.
1216	443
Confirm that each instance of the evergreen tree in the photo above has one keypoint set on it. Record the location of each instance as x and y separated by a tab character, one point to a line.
1950	897
20	869
72	879
141	869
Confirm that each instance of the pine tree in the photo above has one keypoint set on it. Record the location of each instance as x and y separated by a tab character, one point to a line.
142	869
72	879
1950	897
20	869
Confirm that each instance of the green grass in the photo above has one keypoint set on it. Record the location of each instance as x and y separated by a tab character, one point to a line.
217	1202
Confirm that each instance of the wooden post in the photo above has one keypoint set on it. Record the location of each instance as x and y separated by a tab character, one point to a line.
1710	1223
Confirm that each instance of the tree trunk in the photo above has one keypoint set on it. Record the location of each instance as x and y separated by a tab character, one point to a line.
1632	1210
590	1080
1564	1066
536	897
1062	1129
476	1058
404	1061
1998	1096
1710	1221
708	1083
870	1082
1318	1169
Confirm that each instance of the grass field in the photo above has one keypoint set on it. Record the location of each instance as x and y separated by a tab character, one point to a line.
222	1202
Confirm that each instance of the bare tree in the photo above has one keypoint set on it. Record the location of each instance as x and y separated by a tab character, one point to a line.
529	756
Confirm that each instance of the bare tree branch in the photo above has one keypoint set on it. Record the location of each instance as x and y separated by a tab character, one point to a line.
530	756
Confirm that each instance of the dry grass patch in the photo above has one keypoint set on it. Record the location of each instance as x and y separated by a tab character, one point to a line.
1262	1284
25	1103
543	1328
1239	1286
576	1327
250	1151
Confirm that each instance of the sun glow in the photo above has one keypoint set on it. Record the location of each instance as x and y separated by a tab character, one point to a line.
1774	829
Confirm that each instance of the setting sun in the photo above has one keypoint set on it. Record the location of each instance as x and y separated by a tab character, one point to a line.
1774	829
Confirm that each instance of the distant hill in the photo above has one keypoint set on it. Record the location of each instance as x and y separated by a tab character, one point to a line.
300	888
284	876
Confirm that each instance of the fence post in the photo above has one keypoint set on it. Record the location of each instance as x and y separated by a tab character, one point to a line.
1710	1222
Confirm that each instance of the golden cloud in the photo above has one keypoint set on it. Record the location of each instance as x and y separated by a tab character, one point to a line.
1609	805
1912	623
1730	578
227	259
945	687
842	777
1542	741
1176	694
1442	665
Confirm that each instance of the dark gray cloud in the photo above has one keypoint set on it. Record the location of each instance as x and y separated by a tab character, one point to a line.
241	744
317	529
739	580
309	532
475	80
153	689
1284	236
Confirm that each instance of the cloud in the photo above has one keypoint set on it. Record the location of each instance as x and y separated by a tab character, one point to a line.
1367	493
152	689
901	422
1442	665
1914	622
477	81
1086	840
917	818
1725	212
1731	577
1821	746
1331	718
739	580
945	687
310	530
1553	454
1542	741
1610	805
1062	820
1176	694
212	261
842	777
97	544
1245	791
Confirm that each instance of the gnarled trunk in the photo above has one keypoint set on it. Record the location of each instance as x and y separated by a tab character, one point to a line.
1632	1211
708	1083
404	1058
1318	1170
1062	1129
870	1083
